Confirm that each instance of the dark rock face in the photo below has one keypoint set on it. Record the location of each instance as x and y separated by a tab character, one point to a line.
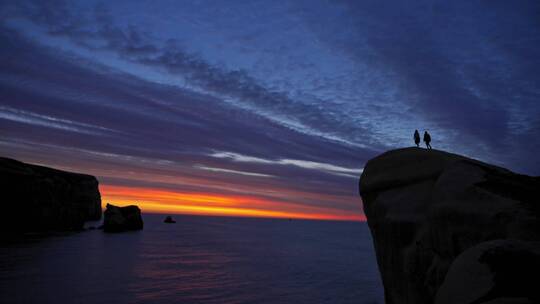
119	219
37	198
426	207
493	270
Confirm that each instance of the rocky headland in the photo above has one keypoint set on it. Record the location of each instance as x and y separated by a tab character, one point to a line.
452	230
38	198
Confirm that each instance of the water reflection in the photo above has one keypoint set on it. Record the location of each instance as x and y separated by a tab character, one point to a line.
198	260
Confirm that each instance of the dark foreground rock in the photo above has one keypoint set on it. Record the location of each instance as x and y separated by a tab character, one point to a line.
500	269
119	219
38	199
431	211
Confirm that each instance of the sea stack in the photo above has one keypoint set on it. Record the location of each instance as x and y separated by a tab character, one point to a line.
119	219
169	220
452	230
38	198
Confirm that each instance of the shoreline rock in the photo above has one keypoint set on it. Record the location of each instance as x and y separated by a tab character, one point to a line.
41	199
427	207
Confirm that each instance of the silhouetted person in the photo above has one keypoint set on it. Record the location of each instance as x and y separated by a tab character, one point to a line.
417	138
427	139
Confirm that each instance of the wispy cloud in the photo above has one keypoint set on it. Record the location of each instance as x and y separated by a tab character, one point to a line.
232	171
50	122
305	164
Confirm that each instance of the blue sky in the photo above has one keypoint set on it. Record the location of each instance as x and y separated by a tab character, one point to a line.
242	96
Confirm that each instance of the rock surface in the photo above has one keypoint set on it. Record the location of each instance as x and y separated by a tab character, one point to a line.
119	219
493	270
426	207
37	198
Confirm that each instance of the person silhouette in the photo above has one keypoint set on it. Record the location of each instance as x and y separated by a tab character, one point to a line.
427	139
417	138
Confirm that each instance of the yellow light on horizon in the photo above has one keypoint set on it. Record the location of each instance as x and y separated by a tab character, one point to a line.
164	201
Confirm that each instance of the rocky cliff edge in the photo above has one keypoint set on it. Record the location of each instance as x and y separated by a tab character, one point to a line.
450	229
37	198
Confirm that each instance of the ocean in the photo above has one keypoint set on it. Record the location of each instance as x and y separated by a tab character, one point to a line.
197	260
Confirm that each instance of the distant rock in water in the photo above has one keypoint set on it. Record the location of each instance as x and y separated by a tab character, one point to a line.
169	220
37	198
119	219
448	229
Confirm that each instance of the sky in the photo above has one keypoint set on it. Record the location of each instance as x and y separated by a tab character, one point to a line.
263	108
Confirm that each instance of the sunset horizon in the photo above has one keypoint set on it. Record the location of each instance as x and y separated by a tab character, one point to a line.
284	112
170	202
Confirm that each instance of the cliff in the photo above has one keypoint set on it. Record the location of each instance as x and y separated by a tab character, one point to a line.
449	229
37	198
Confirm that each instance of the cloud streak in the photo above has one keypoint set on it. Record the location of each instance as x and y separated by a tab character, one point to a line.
328	168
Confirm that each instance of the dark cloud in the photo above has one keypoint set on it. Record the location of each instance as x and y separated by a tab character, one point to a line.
97	31
155	130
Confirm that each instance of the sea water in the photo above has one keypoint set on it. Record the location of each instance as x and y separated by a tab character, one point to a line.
197	260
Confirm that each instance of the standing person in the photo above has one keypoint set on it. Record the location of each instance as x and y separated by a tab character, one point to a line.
427	139
417	138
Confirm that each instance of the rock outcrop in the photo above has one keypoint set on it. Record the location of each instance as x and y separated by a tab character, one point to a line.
169	220
119	219
431	211
37	198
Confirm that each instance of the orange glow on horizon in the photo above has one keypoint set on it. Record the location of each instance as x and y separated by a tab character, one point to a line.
167	201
